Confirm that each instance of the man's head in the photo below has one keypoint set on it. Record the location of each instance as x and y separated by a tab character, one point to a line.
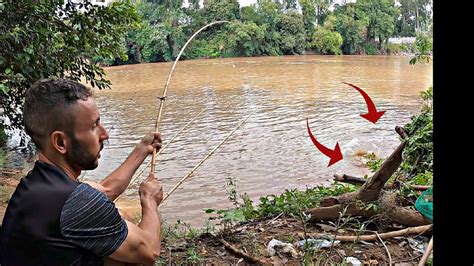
61	117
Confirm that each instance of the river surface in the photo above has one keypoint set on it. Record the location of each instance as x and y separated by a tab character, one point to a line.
272	151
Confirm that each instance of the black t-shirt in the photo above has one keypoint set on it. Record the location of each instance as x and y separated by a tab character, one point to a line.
54	220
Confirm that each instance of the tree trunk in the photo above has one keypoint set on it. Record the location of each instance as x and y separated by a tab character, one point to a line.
369	192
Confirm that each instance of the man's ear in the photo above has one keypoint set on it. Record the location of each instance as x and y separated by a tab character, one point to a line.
59	141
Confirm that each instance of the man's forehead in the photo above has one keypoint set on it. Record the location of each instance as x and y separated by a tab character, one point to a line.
87	109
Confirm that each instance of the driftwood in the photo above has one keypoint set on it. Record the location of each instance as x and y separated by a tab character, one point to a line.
372	191
404	232
244	255
360	181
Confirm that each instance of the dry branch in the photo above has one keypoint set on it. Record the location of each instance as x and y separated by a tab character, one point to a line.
354	180
404	232
427	253
243	254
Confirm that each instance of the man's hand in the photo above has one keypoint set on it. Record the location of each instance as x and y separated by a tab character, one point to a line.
143	242
151	189
150	142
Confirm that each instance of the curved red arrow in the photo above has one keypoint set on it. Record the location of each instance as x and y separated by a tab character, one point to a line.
373	116
335	154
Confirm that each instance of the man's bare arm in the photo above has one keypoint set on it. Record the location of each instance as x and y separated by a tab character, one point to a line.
116	183
143	242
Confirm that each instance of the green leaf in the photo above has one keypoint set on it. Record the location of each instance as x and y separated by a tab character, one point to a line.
4	88
210	210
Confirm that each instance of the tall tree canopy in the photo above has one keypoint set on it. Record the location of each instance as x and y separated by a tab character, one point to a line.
40	39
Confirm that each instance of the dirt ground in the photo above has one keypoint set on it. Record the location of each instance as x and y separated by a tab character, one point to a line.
253	238
9	178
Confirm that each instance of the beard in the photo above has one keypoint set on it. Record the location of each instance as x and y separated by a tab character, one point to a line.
81	157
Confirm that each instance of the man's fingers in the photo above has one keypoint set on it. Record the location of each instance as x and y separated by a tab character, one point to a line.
151	176
156	136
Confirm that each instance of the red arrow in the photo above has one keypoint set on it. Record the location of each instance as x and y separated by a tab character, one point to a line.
373	116
335	154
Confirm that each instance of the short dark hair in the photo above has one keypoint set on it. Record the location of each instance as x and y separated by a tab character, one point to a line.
48	105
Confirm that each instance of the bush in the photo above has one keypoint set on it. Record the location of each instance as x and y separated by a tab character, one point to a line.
326	41
394	48
370	49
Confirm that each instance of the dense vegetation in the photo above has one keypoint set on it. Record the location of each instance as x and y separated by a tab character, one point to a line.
40	39
272	27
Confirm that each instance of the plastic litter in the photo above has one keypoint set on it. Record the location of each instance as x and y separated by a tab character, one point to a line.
354	261
317	243
277	245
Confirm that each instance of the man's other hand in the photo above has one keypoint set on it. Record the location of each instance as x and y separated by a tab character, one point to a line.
151	189
150	142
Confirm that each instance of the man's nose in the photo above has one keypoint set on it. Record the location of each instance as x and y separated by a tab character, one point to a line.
104	134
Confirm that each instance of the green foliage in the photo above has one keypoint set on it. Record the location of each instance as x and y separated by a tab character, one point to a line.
326	41
370	49
373	162
193	256
415	15
249	13
266	28
179	231
418	153
40	39
423	48
275	204
293	37
215	10
246	38
393	48
381	15
212	48
291	202
352	26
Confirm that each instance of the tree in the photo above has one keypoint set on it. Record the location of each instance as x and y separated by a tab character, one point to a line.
40	39
415	15
309	17
269	12
423	48
249	13
381	15
352	27
293	35
215	10
246	38
326	40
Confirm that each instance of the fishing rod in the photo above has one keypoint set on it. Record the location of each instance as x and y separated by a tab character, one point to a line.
163	96
203	160
161	150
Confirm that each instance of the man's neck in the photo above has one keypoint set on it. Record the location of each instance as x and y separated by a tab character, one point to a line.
73	174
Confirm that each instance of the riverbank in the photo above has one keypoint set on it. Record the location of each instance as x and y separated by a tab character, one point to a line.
275	239
280	240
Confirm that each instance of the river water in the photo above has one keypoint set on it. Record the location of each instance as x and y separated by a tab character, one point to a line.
272	151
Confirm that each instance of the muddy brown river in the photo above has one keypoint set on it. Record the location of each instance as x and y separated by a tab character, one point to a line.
272	151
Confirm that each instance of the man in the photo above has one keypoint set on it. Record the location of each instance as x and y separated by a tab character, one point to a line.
52	218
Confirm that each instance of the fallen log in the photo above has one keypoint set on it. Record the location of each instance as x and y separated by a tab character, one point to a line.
387	207
371	192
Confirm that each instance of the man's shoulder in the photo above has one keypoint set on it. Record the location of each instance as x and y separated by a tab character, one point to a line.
90	220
